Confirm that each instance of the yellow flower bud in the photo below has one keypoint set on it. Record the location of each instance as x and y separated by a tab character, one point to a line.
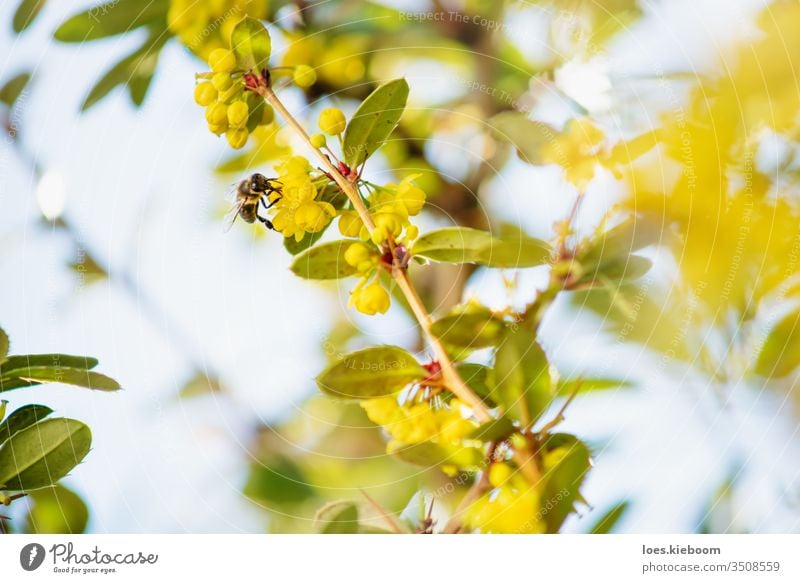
304	76
222	81
205	94
267	115
217	114
332	121
349	224
221	61
371	300
412	232
318	141
217	129
356	254
499	474
237	114
237	138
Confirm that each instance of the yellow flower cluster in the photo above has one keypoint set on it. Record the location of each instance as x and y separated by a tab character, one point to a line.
228	105
339	60
298	211
511	507
578	150
418	422
205	26
390	206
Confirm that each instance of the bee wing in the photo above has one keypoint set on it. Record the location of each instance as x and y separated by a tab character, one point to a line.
231	215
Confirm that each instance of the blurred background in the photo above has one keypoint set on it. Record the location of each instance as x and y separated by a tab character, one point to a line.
112	244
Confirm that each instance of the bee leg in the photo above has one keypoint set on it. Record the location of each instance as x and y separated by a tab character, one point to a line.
266	222
270	205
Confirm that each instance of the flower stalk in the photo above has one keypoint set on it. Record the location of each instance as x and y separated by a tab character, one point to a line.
525	459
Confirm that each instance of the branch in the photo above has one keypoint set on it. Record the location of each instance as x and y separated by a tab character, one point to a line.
456	385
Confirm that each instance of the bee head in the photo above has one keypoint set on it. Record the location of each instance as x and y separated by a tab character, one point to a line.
259	183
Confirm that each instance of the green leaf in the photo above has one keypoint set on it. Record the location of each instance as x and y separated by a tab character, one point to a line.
617	272
476	376
568	460
374	121
477	327
35	375
465	245
428	454
43	453
136	71
295	247
56	510
609	520
495	430
566	386
201	384
370	373
23	417
26	12
526	135
277	481
13	88
521	376
23	362
337	518
251	44
780	353
324	261
4	345
112	18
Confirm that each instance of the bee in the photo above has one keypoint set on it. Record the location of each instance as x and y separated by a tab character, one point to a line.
251	194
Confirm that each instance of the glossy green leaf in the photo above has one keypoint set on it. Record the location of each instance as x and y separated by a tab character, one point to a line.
568	460
49	374
475	328
567	386
4	345
370	373
113	18
453	245
337	518
606	523
526	135
780	354
23	362
495	430
251	44
135	71
466	245
23	417
13	88
26	12
43	453
324	261
521	376
56	510
374	121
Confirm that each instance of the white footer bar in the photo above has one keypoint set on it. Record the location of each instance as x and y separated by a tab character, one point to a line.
384	558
